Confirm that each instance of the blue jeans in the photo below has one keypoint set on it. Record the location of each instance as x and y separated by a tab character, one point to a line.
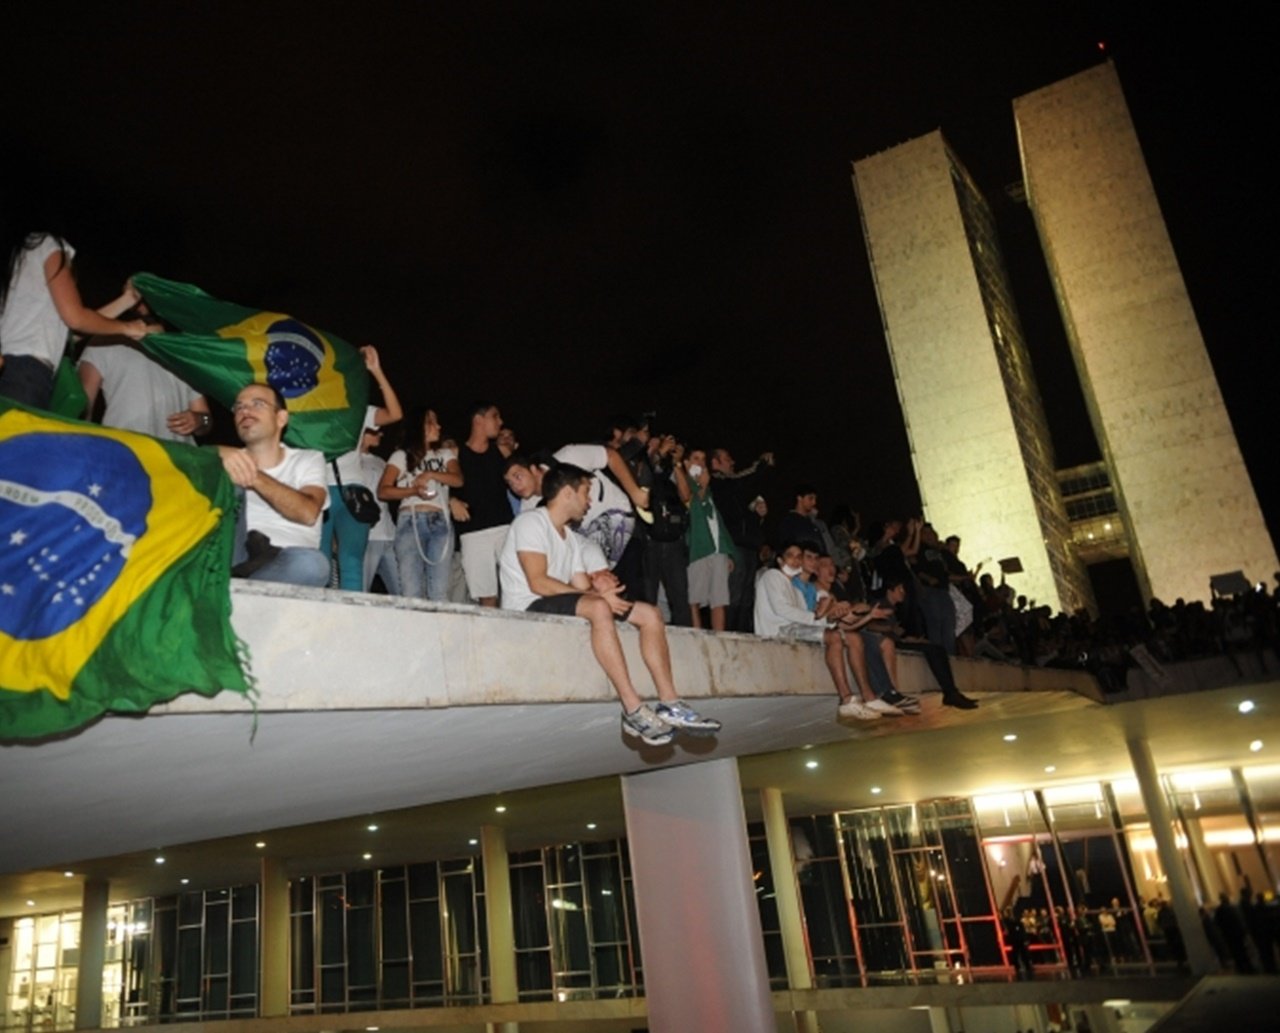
296	566
26	379
424	547
380	558
353	536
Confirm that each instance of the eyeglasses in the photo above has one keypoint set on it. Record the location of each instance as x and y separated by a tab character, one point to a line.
252	403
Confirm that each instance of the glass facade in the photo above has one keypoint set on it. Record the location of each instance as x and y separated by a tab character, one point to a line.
574	922
408	936
1059	880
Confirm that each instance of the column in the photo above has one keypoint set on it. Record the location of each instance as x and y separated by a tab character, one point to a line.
700	938
274	935
1200	956
93	954
787	897
500	934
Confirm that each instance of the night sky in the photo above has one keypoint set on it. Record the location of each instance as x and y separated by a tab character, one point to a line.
577	209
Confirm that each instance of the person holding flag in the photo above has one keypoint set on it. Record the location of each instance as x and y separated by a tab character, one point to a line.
278	527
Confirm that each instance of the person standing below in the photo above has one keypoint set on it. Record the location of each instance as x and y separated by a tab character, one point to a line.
484	511
543	571
419	477
39	304
339	522
711	550
278	526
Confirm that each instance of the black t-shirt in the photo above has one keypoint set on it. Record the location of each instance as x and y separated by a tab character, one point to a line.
483	489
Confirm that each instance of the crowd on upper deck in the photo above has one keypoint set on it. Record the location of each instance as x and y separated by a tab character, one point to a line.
667	523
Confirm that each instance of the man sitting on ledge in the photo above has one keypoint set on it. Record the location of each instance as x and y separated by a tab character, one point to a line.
278	524
542	571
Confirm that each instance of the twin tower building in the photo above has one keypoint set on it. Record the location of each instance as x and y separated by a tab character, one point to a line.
1172	492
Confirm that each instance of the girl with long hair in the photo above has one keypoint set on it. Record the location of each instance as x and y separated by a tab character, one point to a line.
419	477
39	303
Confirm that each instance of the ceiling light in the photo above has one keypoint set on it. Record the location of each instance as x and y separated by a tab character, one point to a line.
876	790
260	844
1246	705
184	881
373	828
31	903
472	842
1011	737
591	824
1256	745
69	875
810	764
367	857
1049	769
501	808
159	860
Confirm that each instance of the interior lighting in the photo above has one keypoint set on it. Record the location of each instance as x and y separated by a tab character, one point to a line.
367	857
31	903
373	828
69	875
1256	745
184	881
501	808
591	824
1049	769
1246	706
160	860
1011	737
810	764
472	842
876	790
260	844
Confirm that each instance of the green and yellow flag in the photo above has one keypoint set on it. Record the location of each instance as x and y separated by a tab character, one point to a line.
114	573
222	347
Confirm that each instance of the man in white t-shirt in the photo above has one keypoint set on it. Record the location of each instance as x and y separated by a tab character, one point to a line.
542	570
278	530
142	395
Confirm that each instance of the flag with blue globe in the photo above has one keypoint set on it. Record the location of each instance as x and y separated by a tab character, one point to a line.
220	347
114	573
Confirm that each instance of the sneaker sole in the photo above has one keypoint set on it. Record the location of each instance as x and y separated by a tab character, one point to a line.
648	740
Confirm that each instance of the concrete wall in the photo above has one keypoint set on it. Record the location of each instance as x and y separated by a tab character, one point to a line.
1156	407
964	445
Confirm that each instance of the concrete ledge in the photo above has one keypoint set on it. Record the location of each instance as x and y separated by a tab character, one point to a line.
318	649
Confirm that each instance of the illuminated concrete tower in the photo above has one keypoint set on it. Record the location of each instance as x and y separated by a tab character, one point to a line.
979	441
1180	480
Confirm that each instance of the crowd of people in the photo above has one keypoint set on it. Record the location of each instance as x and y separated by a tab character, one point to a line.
668	531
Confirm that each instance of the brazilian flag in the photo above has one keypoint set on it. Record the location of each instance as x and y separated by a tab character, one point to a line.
222	347
114	573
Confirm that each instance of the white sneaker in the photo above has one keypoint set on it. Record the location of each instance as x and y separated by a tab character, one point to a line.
881	707
857	709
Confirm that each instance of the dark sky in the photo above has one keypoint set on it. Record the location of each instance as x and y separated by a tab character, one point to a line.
575	209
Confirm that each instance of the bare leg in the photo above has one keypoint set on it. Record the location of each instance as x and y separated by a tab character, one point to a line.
889	653
858	661
718	622
653	648
490	601
696	613
608	649
835	664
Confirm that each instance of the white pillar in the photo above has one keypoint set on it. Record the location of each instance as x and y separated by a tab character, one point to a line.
1200	956
786	894
500	924
273	887
700	939
93	954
